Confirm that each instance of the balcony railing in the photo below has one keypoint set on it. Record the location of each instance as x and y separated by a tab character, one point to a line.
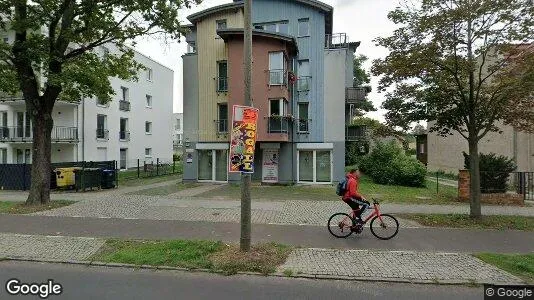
222	84
221	126
355	94
304	83
18	134
304	126
336	41
277	77
124	136
356	133
102	134
278	124
124	105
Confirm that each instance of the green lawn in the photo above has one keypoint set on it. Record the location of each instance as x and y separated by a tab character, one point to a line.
8	207
149	180
165	190
214	256
385	193
464	221
521	265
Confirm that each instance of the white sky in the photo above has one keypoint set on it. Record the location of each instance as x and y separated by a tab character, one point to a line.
362	20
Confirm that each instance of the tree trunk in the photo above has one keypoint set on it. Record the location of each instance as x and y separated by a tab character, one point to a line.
41	162
474	170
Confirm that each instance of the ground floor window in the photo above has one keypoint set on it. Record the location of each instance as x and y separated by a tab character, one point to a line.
315	166
3	156
213	165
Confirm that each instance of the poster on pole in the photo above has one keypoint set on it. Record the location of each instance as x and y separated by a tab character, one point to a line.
270	165
243	139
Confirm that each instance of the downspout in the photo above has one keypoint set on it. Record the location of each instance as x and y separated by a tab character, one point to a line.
83	129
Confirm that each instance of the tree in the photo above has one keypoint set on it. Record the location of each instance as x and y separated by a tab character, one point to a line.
460	64
53	58
361	78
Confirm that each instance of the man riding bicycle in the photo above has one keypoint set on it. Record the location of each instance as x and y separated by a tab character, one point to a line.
352	197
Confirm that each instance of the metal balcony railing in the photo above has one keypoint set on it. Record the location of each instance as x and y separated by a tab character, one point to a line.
124	105
303	83
124	135
222	84
277	77
222	126
102	134
355	94
304	125
18	134
356	133
336	41
278	124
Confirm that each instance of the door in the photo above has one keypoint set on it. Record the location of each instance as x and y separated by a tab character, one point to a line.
213	165
221	165
205	165
19	130
123	129
19	155
306	166
4	131
323	166
102	153
123	158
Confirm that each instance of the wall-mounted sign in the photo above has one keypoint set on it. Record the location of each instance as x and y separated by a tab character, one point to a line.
243	139
270	165
189	158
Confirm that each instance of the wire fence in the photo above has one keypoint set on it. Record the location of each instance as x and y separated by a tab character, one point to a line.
146	168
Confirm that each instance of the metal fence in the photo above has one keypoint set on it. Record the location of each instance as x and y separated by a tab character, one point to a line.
148	167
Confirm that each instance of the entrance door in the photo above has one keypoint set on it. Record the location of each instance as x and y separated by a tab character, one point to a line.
123	158
213	165
315	166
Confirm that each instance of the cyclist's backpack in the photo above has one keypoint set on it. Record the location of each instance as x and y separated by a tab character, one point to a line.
342	187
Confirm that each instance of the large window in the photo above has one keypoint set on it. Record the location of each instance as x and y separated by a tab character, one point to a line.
277	107
277	68
222	76
101	127
125	94
315	166
3	156
304	78
304	27
281	26
213	165
222	123
303	117
148	101
148	152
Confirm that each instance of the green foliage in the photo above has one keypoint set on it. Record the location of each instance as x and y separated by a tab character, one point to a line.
388	164
494	172
361	78
353	152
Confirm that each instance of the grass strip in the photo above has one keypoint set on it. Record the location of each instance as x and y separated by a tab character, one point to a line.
464	221
9	207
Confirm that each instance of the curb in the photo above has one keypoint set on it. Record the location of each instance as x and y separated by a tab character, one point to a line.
276	274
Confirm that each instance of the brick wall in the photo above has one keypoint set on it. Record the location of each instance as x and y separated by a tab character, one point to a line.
500	198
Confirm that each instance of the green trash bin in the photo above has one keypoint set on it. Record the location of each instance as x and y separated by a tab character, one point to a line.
88	178
108	179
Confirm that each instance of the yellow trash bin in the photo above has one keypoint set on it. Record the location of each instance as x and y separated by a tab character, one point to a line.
65	177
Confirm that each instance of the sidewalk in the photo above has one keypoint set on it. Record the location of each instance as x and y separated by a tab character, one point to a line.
392	266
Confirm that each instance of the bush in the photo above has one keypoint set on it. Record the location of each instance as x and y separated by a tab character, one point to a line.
388	164
354	153
494	172
177	157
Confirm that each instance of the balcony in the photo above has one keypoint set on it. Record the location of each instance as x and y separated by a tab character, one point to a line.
102	134
17	134
222	84
278	124
277	77
355	94
356	134
124	136
336	41
304	126
303	83
17	99
124	105
221	126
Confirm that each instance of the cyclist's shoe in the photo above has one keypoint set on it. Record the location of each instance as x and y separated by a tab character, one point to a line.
358	228
359	221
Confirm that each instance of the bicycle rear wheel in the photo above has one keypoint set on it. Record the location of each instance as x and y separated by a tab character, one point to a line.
386	228
339	225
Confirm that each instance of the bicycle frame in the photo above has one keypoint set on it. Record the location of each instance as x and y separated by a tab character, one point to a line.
376	212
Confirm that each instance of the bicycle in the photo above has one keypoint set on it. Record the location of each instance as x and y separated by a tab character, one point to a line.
346	224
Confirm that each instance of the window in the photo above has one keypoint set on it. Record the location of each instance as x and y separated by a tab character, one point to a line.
4	130
124	134
148	127
101	102
148	101
148	152
222	123
101	131
314	166
191	47
277	107
221	24
303	117
179	138
281	27
422	148
304	76
3	155
277	68
149	74
304	27
222	73
178	124
125	94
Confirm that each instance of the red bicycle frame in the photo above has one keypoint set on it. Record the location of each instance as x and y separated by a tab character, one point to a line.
376	212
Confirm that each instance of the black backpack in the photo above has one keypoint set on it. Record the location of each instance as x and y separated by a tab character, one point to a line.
342	187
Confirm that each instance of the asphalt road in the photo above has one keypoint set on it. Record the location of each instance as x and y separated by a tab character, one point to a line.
422	239
81	282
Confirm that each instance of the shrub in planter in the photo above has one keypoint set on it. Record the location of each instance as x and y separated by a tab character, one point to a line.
494	172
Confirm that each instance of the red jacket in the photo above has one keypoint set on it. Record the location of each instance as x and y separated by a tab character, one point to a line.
352	187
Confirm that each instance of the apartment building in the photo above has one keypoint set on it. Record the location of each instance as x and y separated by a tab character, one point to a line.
136	124
178	131
302	79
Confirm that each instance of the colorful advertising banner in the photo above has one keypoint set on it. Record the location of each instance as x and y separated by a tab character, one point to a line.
243	139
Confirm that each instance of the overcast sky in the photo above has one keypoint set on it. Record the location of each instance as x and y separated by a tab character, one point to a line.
362	20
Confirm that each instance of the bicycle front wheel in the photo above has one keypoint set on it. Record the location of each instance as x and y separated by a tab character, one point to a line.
386	228
340	225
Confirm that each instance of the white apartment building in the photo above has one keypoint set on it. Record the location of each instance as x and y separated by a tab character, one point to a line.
136	124
178	134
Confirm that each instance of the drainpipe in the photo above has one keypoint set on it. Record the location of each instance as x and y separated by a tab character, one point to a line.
83	129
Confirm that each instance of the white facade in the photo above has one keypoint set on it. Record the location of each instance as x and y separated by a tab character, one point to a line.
178	131
147	104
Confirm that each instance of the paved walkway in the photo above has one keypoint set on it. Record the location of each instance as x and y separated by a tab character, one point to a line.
404	266
394	266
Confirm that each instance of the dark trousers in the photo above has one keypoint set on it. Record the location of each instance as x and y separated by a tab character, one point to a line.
355	203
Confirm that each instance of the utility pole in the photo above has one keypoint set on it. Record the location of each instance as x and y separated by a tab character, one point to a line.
246	178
